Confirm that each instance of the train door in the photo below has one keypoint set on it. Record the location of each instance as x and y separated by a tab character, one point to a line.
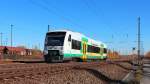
84	49
69	44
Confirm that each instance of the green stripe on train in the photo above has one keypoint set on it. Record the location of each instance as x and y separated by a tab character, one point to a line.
84	39
96	57
72	55
80	55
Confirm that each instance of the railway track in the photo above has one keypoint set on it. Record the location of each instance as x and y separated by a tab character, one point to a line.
17	71
31	70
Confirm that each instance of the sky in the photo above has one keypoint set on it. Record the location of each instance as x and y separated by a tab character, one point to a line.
113	22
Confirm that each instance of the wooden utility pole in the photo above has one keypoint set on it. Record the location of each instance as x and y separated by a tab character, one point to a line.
139	39
1	35
48	27
11	35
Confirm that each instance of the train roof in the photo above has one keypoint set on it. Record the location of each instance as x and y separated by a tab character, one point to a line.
95	41
65	31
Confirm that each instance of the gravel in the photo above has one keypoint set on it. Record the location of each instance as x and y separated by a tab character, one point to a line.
98	74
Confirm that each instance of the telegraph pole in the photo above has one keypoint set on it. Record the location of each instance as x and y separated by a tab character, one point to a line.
1	34
11	26
48	27
11	34
139	39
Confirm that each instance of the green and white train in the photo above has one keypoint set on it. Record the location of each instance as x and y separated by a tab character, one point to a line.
64	45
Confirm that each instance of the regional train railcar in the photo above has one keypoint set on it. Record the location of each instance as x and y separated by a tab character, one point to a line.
67	45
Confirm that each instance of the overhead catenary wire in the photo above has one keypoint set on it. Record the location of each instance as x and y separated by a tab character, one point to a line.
98	13
92	6
54	12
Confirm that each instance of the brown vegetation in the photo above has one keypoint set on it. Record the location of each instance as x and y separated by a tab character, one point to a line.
147	54
113	55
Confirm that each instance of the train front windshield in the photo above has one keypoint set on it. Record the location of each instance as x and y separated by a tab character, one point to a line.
55	38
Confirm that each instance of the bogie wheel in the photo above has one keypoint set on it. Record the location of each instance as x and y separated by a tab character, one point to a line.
76	60
47	59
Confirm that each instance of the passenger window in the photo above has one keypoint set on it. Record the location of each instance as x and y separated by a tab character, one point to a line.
69	38
105	50
93	49
76	44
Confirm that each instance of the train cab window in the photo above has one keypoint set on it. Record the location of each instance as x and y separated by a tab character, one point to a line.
105	50
69	38
55	38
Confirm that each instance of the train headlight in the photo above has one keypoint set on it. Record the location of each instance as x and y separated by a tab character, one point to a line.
45	52
61	48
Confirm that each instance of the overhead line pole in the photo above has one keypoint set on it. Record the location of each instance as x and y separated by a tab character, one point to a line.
1	39
139	38
48	27
11	35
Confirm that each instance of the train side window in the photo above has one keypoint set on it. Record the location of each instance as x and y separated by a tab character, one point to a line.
93	49
105	50
89	48
69	38
76	44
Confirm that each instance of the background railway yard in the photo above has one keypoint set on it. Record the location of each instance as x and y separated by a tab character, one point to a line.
74	42
115	71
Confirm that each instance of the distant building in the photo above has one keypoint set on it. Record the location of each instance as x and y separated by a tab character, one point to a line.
19	51
12	50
